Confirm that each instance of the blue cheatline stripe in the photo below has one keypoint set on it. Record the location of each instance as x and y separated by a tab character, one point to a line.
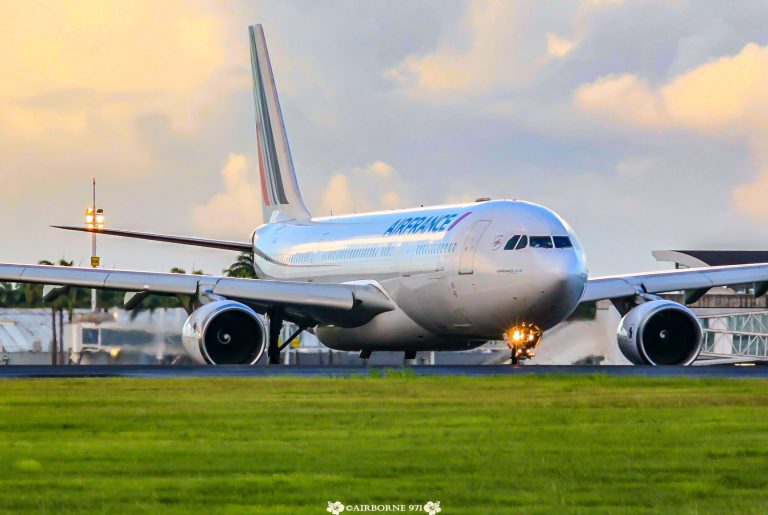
264	126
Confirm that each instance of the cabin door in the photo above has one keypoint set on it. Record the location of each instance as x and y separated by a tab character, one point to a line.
467	260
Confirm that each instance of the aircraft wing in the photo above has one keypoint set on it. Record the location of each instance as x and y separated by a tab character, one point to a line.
344	304
240	246
695	282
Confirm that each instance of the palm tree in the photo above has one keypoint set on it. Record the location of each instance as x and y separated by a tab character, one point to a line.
11	295
153	302
30	297
66	301
242	267
6	295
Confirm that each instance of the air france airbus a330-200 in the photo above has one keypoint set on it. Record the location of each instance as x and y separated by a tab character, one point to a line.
437	278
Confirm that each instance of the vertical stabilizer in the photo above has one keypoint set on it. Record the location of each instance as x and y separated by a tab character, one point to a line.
281	198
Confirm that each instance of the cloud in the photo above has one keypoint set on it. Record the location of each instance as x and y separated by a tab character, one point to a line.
724	97
84	78
494	53
381	169
337	197
558	46
730	92
750	198
369	188
499	48
124	91
156	130
622	98
236	211
112	59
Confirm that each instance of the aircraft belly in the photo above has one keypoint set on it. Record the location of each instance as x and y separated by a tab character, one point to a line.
433	301
391	331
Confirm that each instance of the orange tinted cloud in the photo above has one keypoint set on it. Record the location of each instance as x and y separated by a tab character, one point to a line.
724	97
731	92
113	59
235	211
372	187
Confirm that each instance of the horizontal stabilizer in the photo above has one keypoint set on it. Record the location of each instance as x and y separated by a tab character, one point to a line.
180	240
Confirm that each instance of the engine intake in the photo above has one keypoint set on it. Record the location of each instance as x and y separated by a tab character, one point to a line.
224	333
660	332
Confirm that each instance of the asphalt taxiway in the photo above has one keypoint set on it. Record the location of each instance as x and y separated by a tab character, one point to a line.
155	371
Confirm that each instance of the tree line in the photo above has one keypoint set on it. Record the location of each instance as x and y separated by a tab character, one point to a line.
27	295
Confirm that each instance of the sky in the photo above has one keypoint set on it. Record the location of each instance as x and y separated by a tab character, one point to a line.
643	123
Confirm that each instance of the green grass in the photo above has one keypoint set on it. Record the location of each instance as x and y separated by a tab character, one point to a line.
479	445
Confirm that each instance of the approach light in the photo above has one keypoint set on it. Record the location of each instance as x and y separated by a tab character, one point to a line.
94	220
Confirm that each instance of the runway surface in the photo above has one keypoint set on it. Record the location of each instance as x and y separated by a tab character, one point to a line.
43	371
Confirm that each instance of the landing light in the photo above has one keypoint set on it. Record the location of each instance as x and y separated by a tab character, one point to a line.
522	339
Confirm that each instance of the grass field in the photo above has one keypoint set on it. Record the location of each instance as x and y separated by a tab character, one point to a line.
478	445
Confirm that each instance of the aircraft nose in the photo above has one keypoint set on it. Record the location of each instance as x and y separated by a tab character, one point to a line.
562	281
571	284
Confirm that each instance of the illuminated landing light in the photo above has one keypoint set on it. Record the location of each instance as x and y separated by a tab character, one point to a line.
522	339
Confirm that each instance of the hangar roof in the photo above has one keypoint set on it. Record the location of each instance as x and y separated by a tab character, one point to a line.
698	258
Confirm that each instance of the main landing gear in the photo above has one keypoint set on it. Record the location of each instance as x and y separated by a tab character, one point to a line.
275	326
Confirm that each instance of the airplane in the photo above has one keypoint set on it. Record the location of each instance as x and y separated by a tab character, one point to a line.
442	278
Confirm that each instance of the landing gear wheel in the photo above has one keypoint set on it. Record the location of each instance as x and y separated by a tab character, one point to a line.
273	346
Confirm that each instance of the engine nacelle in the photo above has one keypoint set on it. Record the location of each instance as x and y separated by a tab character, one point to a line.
660	332
224	332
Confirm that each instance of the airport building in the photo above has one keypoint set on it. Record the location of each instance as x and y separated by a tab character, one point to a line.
734	320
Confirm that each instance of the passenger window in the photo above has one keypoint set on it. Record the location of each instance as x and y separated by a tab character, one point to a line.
512	242
562	242
541	242
522	243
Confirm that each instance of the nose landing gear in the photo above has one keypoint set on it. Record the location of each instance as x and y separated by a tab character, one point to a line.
522	341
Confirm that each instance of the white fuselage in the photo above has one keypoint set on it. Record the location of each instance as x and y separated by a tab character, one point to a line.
445	268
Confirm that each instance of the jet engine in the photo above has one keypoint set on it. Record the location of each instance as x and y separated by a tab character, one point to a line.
224	332
660	332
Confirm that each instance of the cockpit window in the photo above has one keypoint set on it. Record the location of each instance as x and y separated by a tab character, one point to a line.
562	242
522	243
541	242
512	242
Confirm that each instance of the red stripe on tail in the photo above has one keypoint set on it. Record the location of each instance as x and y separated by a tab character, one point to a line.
262	172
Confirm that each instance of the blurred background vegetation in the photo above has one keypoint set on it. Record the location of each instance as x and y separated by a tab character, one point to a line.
13	295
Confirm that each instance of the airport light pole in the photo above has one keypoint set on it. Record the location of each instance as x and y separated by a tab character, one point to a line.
94	220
